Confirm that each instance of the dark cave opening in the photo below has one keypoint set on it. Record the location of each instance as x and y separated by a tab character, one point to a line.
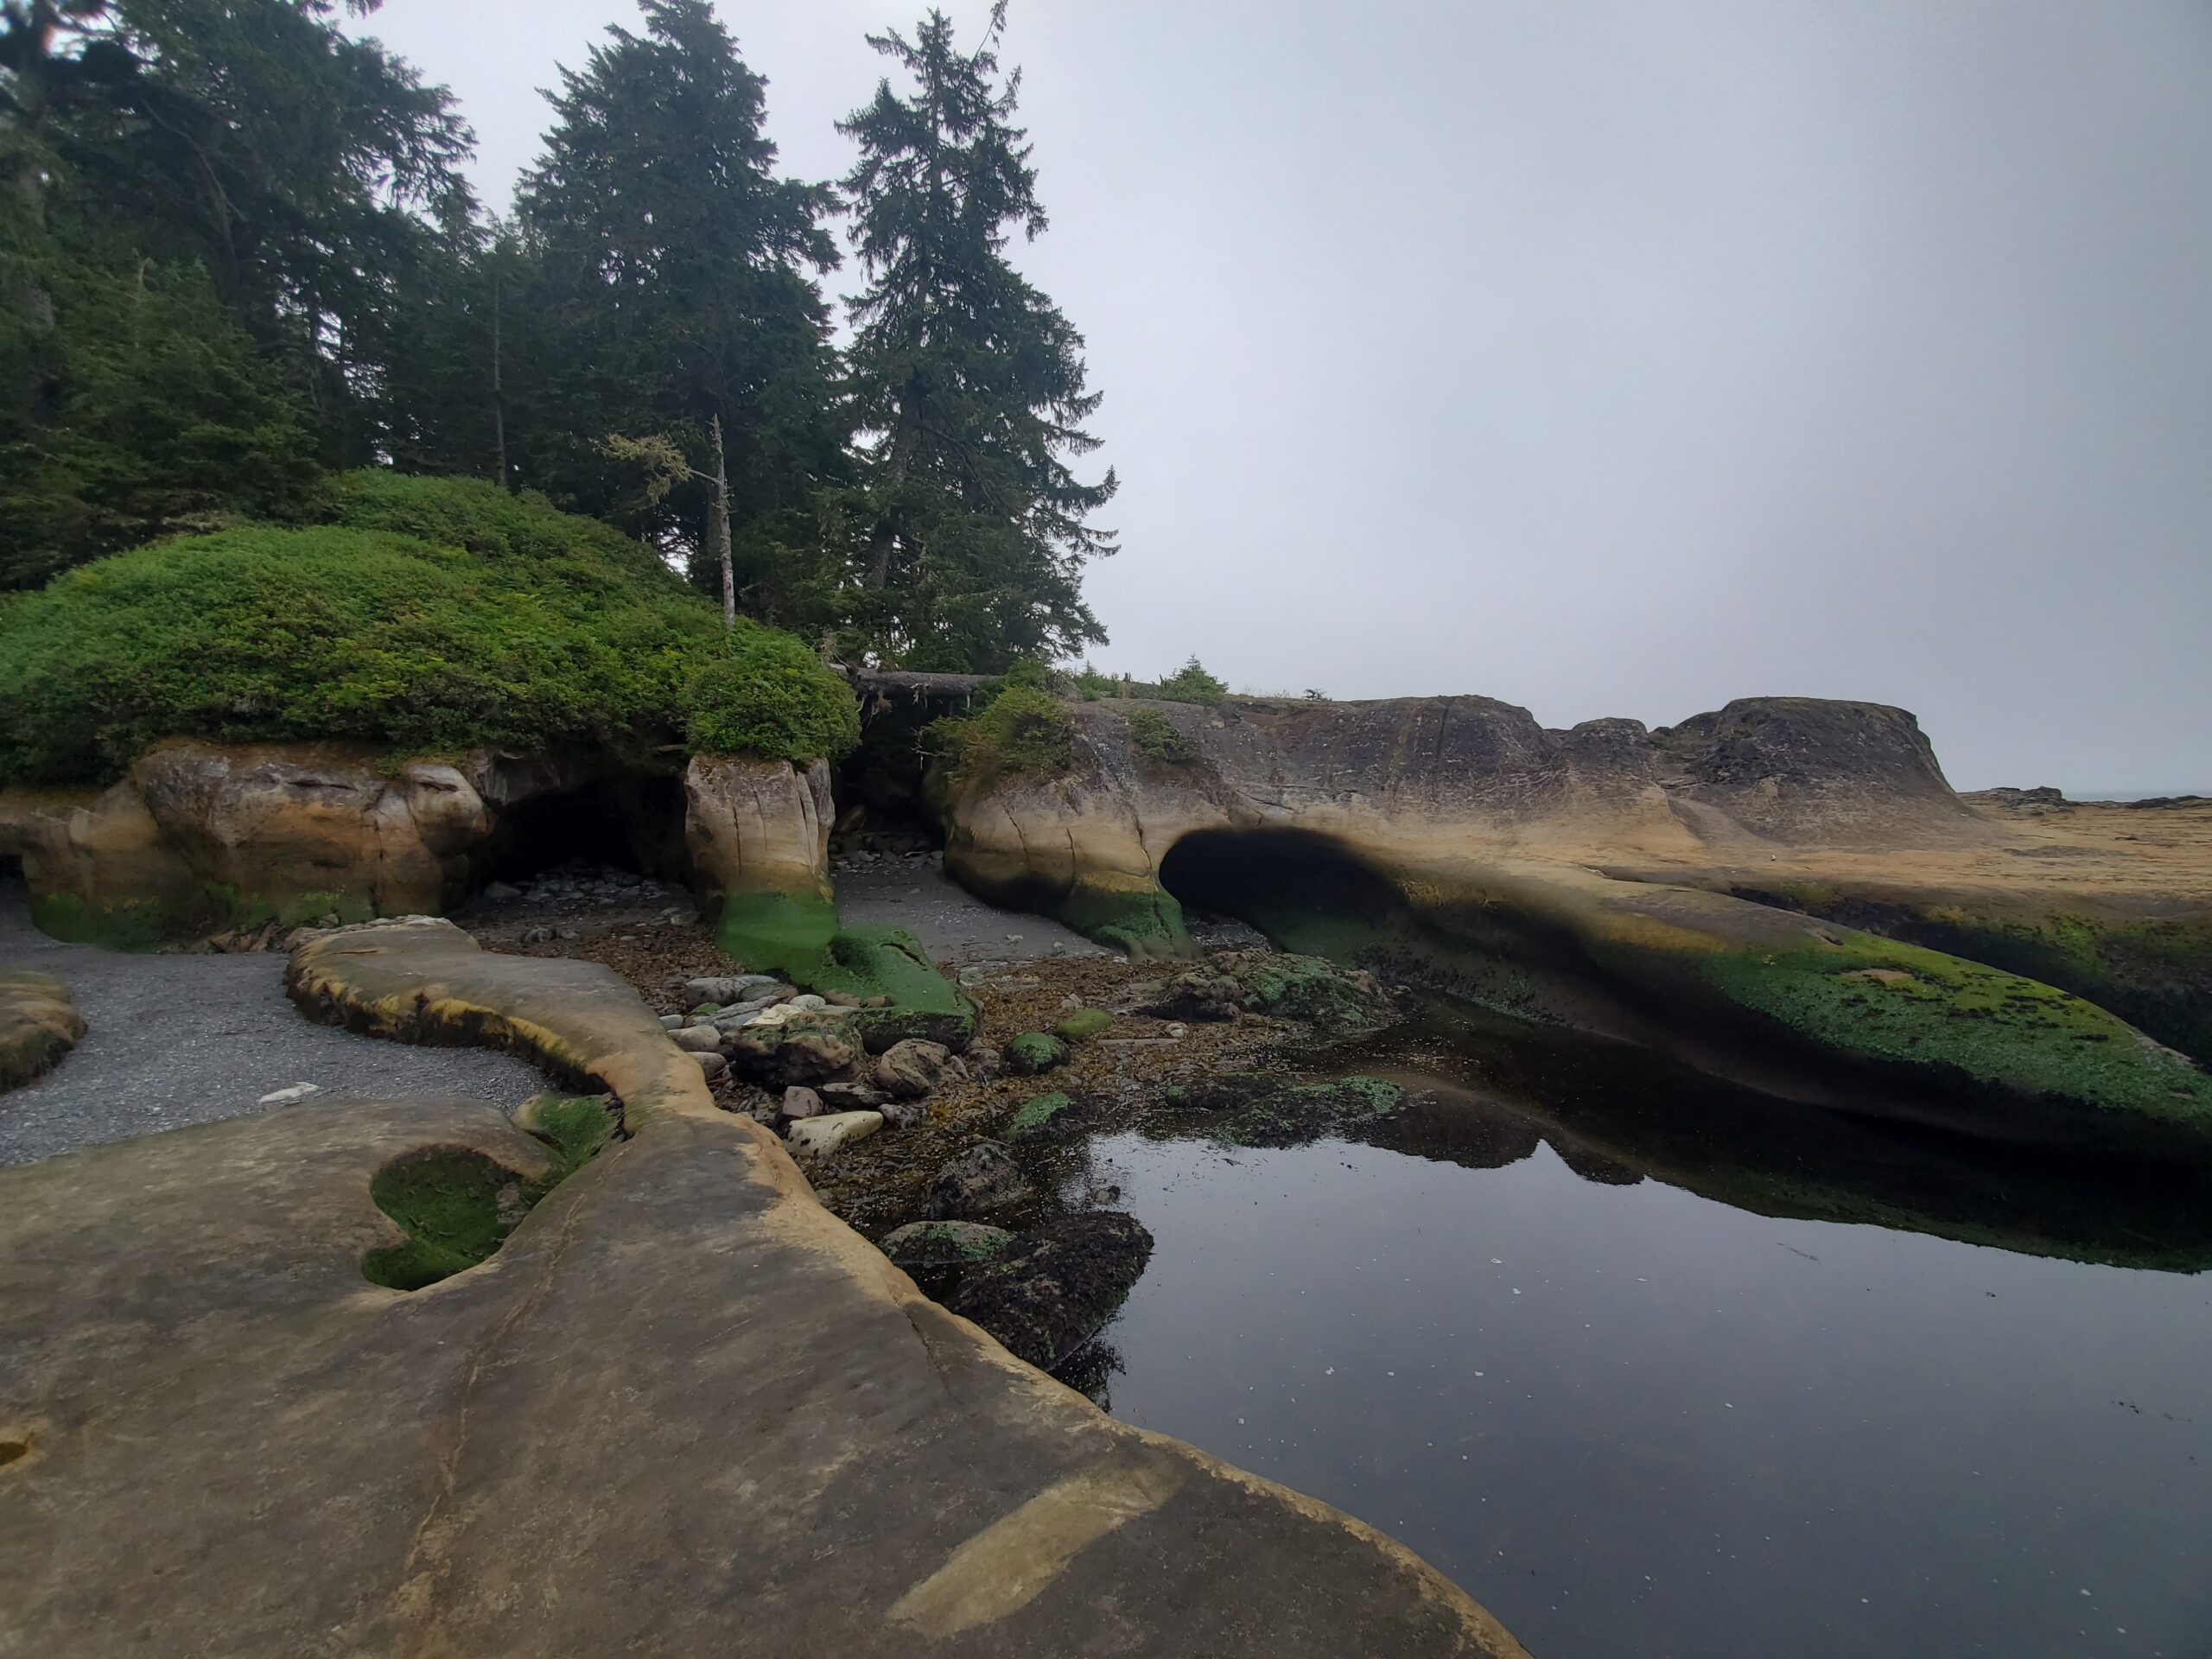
1269	877
882	801
633	822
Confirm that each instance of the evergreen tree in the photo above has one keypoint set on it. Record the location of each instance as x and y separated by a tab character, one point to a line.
970	381
679	292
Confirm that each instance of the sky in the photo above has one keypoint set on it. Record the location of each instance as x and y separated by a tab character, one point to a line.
1608	357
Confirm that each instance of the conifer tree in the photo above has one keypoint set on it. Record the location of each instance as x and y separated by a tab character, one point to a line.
969	380
679	291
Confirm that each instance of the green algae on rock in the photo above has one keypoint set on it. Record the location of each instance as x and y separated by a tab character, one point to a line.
1040	1117
1035	1052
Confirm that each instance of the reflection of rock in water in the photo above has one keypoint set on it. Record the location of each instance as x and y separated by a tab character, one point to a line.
1483	1092
1593	1166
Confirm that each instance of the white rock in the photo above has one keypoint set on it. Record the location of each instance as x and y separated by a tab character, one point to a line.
291	1097
817	1137
808	1000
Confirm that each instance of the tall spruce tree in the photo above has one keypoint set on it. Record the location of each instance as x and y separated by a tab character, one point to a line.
678	290
969	381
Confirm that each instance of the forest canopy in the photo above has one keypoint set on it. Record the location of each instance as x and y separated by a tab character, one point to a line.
240	260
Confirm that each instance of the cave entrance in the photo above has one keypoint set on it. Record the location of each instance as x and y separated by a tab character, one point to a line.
1296	887
882	804
634	823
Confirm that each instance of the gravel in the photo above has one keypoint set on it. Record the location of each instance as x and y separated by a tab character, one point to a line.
185	1039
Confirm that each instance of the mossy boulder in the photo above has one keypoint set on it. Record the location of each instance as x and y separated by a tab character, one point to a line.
1035	1052
1050	1292
1083	1024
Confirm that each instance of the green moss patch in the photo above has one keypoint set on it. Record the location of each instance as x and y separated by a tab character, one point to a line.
1997	1029
797	935
1147	923
1040	1117
1083	1024
457	1205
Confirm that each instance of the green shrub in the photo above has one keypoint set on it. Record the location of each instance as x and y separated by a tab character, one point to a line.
1192	683
1152	736
1022	732
480	517
333	633
773	696
1092	685
443	614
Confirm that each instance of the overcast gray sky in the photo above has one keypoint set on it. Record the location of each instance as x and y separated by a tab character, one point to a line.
1611	357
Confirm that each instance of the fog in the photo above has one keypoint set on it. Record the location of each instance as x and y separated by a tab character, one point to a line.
1609	358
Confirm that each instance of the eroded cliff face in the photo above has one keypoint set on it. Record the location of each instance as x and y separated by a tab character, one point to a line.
1595	878
200	837
1440	777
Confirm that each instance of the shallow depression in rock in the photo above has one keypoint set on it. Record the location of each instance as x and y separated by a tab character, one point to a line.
1635	1421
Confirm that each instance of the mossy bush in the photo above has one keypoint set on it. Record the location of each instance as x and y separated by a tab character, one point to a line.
771	695
1155	737
439	615
1024	731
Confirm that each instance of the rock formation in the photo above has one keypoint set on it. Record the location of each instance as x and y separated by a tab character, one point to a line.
1621	881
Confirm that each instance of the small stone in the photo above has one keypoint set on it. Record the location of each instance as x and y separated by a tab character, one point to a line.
712	1064
670	1021
801	1102
291	1097
499	892
842	1000
698	1039
818	1137
810	1000
914	1068
853	1096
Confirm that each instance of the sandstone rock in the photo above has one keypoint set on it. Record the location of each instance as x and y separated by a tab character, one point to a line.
912	1069
980	1181
757	826
801	1102
39	1024
819	1137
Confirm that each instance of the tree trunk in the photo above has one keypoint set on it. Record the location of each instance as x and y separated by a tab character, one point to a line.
499	390
719	529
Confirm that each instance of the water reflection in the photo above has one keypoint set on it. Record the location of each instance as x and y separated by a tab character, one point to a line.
1579	1327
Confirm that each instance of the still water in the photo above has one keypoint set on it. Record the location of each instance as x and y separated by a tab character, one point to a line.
1635	1422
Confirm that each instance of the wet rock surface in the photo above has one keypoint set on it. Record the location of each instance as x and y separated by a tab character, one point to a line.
1048	1294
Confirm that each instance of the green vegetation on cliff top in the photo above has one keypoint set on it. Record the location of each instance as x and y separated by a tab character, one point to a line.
436	614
